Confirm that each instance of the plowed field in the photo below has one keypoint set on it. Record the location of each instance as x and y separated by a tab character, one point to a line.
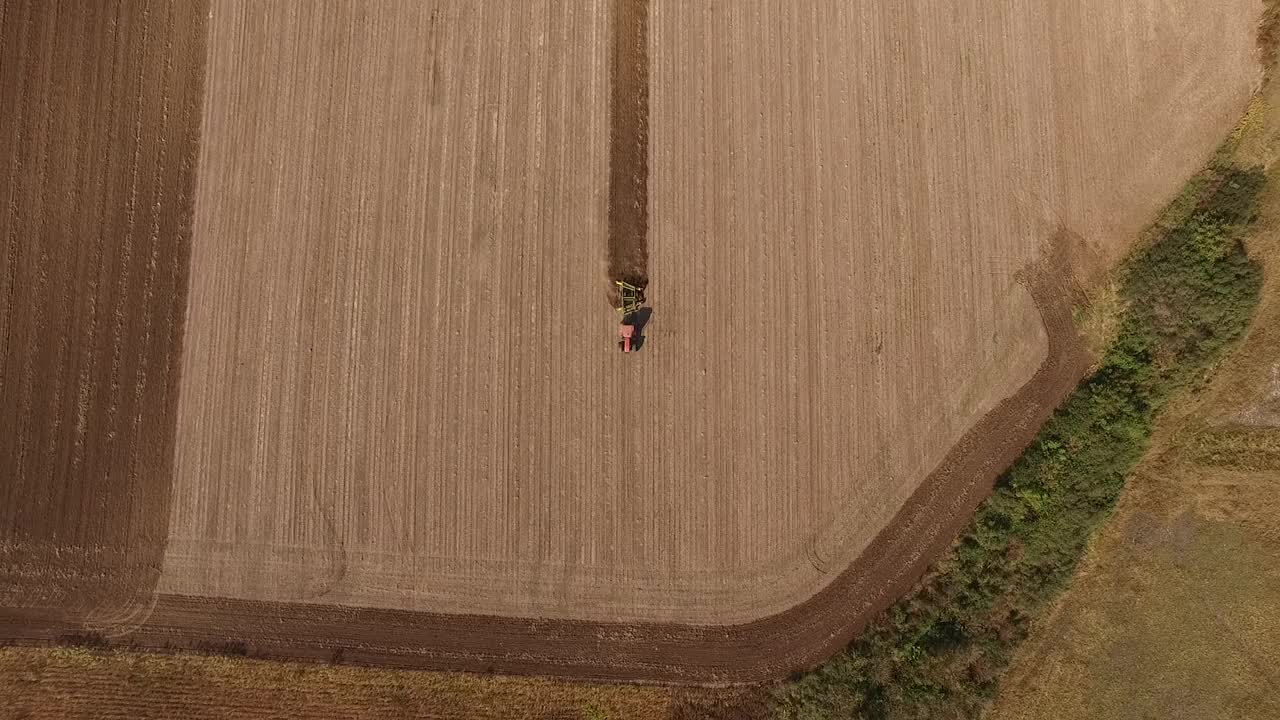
99	113
399	387
403	433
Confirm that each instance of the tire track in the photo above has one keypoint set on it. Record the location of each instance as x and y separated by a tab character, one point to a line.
67	302
12	249
27	378
126	259
46	313
135	604
86	388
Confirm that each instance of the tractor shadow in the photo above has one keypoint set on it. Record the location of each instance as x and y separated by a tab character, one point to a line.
640	319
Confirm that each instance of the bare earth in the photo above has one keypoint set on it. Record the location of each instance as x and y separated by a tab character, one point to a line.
398	385
99	104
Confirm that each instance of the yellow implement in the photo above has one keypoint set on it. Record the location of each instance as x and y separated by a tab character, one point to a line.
631	296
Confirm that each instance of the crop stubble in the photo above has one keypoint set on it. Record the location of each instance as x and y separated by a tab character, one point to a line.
99	124
408	399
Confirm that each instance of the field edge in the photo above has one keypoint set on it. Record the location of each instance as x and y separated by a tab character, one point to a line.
767	649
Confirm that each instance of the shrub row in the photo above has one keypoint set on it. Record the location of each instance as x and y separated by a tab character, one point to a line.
939	652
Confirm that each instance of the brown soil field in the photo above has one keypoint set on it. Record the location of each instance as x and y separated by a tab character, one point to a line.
398	393
749	652
99	129
404	435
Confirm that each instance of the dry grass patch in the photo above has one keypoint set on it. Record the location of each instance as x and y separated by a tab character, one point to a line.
1098	321
80	683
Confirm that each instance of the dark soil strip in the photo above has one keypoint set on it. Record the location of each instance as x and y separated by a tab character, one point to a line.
629	144
766	649
99	130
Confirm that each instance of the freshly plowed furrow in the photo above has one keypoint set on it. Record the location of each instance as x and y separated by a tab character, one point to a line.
629	143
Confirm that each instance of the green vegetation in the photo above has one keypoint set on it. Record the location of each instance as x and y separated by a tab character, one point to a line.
939	652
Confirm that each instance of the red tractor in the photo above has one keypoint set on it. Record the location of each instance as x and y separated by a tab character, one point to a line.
626	332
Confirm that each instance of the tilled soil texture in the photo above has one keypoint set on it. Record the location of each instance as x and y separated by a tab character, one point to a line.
400	388
629	144
750	652
99	125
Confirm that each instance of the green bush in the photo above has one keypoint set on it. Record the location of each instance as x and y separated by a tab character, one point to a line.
939	652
